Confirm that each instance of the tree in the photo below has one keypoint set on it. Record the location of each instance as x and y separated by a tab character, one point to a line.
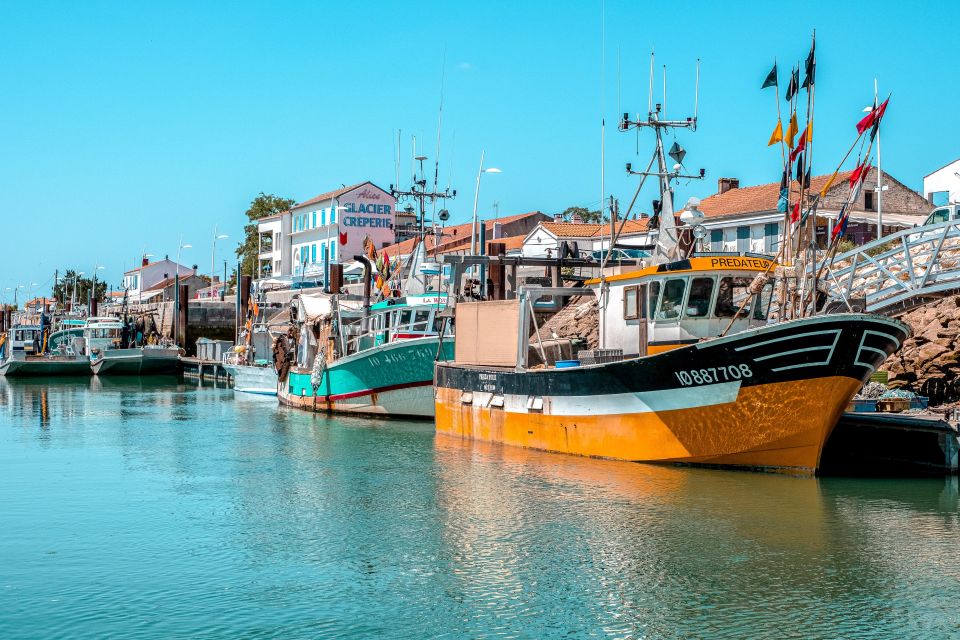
262	206
585	215
63	290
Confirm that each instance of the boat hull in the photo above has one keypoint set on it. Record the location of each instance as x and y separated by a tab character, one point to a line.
137	361
44	366
391	380
254	380
765	398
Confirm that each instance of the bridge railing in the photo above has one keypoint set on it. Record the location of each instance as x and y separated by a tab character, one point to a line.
900	269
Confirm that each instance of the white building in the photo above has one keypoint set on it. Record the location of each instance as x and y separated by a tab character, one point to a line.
547	238
943	185
148	275
332	226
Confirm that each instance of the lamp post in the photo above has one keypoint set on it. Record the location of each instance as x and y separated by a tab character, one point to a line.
879	170
476	197
213	255
93	288
176	291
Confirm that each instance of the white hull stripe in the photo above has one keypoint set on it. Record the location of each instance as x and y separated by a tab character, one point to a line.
618	403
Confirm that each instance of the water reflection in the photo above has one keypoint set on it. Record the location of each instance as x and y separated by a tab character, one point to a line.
160	508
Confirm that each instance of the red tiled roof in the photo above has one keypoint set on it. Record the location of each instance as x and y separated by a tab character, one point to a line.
760	198
593	229
336	193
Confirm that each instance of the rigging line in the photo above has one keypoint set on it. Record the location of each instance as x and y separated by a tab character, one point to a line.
436	165
626	216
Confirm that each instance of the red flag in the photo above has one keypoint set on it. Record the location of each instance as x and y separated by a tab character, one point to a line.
873	117
795	216
859	173
801	144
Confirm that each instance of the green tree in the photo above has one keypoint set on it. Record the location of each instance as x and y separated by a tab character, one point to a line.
63	290
585	214
262	206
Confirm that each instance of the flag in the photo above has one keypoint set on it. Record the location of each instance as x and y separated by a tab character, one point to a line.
811	66
841	226
799	174
771	80
801	145
782	200
859	173
829	184
795	216
806	179
792	130
793	87
872	118
777	135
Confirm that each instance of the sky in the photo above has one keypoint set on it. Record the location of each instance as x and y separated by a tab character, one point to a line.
128	126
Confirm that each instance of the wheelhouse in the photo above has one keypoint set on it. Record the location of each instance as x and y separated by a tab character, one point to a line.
102	333
26	339
666	306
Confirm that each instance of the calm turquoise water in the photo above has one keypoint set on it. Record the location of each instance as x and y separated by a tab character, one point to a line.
142	511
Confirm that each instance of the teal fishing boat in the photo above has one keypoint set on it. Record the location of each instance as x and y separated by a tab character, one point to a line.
376	359
28	352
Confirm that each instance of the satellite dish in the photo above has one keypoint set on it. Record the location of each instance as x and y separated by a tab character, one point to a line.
699	232
444	215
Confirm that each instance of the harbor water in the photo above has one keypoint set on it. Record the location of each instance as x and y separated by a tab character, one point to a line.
161	509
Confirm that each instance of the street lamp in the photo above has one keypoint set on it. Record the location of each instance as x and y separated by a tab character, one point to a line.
476	196
213	255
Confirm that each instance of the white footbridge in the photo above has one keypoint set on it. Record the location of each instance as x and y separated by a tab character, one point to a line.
899	271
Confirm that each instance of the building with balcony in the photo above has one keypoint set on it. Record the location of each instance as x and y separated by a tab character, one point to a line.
330	227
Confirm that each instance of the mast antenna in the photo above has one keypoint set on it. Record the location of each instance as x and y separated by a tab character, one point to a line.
664	92
650	92
696	96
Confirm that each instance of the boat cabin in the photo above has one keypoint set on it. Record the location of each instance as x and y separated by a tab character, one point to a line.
26	339
101	333
666	306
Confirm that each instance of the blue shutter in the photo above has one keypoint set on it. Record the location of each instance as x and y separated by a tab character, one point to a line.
716	239
743	238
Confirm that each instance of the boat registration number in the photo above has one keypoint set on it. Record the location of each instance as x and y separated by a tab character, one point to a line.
711	375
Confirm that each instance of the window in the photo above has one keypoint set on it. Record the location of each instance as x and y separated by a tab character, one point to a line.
730	295
653	294
314	220
716	240
323	252
405	316
771	237
313	251
631	310
333	215
323	217
763	302
333	251
743	238
940	215
868	201
701	292
672	300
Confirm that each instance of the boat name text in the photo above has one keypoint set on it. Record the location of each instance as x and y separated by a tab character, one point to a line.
713	375
740	263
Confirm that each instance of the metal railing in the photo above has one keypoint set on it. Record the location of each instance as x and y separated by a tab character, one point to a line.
901	270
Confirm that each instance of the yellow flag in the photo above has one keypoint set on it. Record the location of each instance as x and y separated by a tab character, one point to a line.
826	187
792	130
777	135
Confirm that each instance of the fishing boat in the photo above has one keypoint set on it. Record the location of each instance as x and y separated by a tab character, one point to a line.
249	364
111	353
26	353
692	367
365	359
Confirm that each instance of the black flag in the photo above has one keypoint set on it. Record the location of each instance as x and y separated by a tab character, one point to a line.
793	87
811	67
799	174
771	80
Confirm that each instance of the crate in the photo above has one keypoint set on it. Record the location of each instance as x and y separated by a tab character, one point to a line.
599	356
893	405
208	349
920	402
866	405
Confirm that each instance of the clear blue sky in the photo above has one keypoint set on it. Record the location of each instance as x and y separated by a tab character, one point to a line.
124	125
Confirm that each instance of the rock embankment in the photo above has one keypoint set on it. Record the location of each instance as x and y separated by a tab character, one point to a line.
928	363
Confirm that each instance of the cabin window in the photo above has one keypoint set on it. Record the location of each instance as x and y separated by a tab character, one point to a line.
701	293
653	295
420	320
631	306
940	215
672	301
730	295
763	302
405	316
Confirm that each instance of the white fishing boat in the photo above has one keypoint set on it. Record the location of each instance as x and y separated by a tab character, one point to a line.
109	355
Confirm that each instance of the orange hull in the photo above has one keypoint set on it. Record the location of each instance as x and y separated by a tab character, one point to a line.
781	425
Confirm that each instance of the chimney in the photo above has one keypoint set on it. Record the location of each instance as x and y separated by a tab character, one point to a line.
727	184
576	219
144	262
558	217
